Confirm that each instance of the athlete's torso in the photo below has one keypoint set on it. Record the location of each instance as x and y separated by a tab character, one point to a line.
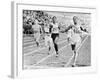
36	28
74	35
55	28
47	30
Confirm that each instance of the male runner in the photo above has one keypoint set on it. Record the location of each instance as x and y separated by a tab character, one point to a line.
37	29
48	39
74	37
55	34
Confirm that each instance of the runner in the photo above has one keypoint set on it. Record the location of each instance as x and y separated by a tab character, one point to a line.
37	29
74	37
48	39
55	34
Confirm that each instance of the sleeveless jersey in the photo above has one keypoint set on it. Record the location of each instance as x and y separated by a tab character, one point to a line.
55	28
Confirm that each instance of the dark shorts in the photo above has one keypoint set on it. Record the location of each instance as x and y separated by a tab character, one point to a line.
54	35
73	46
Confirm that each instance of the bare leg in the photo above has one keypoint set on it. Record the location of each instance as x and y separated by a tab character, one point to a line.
76	53
37	43
50	45
74	58
49	48
56	46
37	39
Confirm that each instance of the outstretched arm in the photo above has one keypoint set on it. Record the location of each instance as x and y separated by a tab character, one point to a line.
67	29
83	29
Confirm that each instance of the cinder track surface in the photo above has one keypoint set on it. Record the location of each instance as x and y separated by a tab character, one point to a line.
37	57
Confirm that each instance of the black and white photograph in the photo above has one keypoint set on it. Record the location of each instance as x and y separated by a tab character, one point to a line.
55	39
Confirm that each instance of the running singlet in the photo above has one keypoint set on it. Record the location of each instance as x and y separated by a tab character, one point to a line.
74	36
55	28
46	29
36	28
78	27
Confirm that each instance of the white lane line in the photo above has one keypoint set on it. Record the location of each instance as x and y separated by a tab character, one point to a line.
49	55
39	49
30	46
69	61
62	41
82	43
43	59
30	43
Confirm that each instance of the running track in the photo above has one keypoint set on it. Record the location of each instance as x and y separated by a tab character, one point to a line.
37	57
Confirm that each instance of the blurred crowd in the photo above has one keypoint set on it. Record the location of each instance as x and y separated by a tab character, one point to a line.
30	17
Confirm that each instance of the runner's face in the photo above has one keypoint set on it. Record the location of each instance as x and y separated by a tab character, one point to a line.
75	20
54	19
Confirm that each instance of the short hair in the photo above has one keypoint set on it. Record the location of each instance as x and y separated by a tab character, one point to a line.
54	17
75	17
